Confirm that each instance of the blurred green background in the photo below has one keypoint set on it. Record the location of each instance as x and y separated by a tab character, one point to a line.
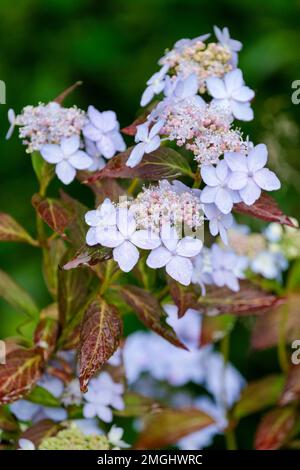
113	47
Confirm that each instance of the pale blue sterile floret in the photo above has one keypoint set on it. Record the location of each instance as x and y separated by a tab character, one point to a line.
233	45
148	141
156	85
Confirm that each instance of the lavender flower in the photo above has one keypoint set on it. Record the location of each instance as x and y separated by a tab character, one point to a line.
148	141
232	93
223	268
249	176
233	45
156	85
218	222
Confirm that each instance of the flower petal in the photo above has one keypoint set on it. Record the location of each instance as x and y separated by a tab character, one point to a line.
266	179
216	88
89	410
126	255
136	155
233	81
208	194
158	257
244	93
110	237
52	153
156	128
241	111
147	96
145	239
80	160
208	173
223	200
250	193
91	132
104	413
109	121
214	227
237	180
69	145
180	269
189	247
125	222
106	146
65	172
91	237
257	158
153	144
236	161
169	237
222	170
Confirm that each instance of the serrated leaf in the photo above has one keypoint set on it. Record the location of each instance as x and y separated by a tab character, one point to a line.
249	300
166	427
41	396
267	328
265	208
53	213
150	313
215	328
16	296
136	405
40	430
184	297
45	336
291	390
11	230
18	376
258	395
89	256
275	429
100	336
7	421
162	163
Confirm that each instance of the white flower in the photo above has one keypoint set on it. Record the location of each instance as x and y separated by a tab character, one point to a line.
269	264
224	263
125	238
104	216
175	254
103	128
149	141
102	395
26	444
115	438
232	93
273	232
217	190
93	152
187	328
156	84
67	157
12	120
249	176
218	222
233	45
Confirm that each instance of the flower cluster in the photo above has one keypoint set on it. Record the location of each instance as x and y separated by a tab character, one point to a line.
69	138
154	221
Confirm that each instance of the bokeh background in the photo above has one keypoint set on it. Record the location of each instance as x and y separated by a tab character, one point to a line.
113	47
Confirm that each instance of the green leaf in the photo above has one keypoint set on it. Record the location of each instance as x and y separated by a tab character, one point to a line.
7	421
150	313
43	170
51	261
16	296
166	427
162	163
100	337
258	395
12	231
41	396
136	405
19	375
293	280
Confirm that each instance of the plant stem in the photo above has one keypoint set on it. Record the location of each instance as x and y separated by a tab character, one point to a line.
133	185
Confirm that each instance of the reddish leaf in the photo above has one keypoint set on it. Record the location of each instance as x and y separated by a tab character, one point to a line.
106	187
45	336
100	336
89	256
166	427
11	231
291	390
150	313
215	328
249	300
53	213
265	208
132	128
258	395
40	430
62	96
267	328
76	228
184	297
18	376
162	163
275	428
